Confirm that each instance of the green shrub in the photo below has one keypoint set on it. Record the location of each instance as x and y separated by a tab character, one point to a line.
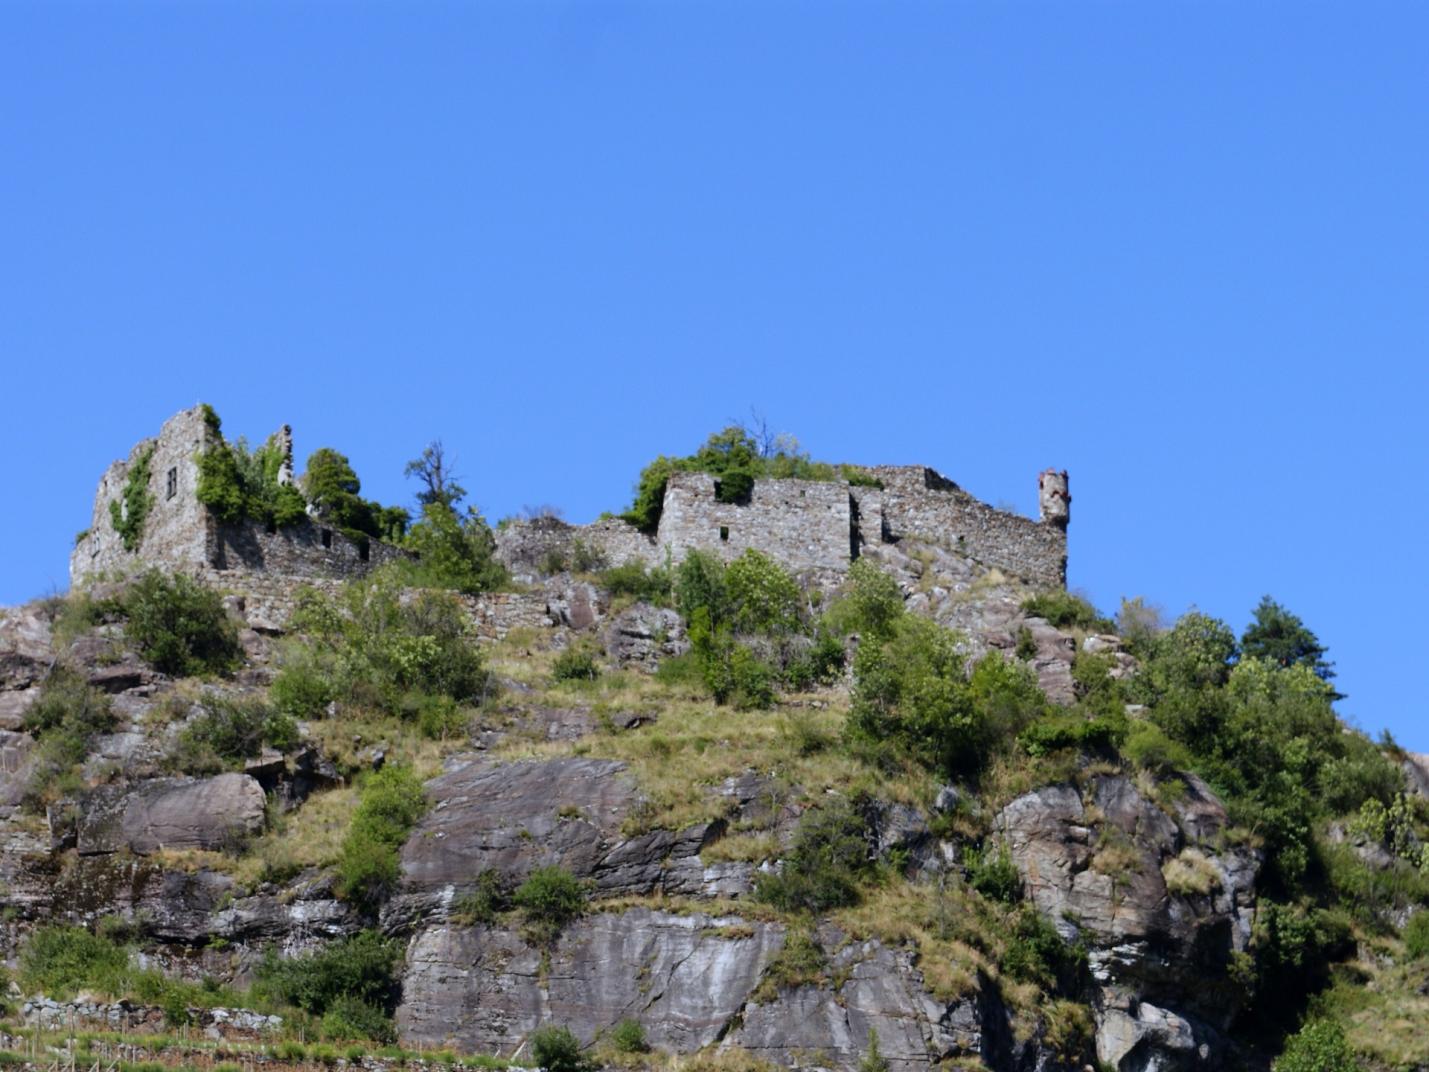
700	586
555	1049
331	484
993	874
179	625
576	663
1319	1046
453	551
870	603
230	731
303	687
634	579
1036	953
549	899
60	961
484	903
629	1037
391	803
66	717
819	664
1074	730
128	512
1416	935
1067	611
822	870
437	717
911	691
763	597
376	648
349	1017
1148	746
353	980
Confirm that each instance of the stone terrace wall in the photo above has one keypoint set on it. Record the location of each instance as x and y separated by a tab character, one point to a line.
920	502
175	529
803	524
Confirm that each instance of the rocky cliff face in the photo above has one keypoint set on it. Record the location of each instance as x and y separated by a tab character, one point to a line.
1146	880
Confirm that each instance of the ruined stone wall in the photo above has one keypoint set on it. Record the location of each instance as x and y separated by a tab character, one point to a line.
804	524
922	503
494	614
301	552
527	547
175	529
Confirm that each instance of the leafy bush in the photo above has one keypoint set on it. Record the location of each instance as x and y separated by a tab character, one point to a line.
1416	935
1066	611
376	648
911	690
629	1037
179	625
485	902
332	486
391	803
634	579
60	961
236	483
870	603
993	874
555	1049
576	663
1319	1046
303	687
735	458
829	857
65	719
1036	953
550	898
1147	746
763	598
128	513
1074	730
352	981
700	586
230	731
453	551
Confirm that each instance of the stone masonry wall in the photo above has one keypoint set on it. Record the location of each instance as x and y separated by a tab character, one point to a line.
303	551
922	503
174	532
526	547
804	524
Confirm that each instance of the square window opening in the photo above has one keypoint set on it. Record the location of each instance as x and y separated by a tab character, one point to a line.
724	533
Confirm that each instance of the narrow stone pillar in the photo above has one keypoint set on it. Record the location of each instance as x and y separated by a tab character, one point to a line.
1053	499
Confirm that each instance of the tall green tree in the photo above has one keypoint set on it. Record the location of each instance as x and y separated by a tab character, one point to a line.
1282	638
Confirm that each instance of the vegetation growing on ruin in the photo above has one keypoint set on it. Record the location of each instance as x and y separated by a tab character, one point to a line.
129	512
736	457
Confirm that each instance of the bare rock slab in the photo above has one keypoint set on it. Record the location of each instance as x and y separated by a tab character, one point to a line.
171	813
683	977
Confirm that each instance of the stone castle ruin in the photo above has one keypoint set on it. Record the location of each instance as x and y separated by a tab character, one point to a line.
813	528
816	527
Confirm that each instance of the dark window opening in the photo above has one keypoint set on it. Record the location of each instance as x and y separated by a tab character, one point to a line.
724	533
270	527
327	537
172	484
363	550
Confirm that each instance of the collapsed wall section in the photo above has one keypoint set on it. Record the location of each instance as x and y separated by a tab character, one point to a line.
919	502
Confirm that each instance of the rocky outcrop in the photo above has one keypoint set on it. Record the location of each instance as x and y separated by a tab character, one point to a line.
169	813
873	988
514	817
642	635
683	977
26	653
1160	897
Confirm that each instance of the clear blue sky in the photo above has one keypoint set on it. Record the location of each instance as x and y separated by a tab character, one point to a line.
1178	249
